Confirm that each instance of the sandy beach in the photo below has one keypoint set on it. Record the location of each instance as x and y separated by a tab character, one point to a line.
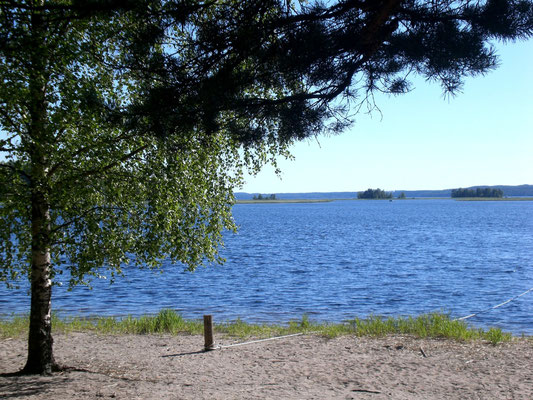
300	367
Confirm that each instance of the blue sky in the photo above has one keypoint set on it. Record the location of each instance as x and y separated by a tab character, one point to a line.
483	136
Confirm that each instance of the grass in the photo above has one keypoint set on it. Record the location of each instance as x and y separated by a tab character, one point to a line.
434	325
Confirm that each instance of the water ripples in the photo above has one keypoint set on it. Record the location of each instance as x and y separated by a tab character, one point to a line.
339	260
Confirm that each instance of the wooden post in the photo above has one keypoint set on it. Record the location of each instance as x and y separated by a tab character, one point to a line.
208	333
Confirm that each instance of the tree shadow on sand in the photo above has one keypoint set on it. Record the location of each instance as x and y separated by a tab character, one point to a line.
16	385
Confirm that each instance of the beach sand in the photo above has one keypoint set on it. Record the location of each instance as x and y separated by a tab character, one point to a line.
299	367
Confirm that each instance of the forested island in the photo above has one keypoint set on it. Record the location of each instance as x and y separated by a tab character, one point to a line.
374	194
265	197
478	192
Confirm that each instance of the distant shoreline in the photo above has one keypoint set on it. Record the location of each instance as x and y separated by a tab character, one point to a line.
296	201
515	191
280	201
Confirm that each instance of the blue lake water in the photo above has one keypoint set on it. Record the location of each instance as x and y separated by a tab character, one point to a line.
335	261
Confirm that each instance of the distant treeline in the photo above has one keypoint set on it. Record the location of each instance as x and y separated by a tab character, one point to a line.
265	197
479	192
509	191
374	194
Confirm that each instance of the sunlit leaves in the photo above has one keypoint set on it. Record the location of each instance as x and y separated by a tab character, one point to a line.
119	195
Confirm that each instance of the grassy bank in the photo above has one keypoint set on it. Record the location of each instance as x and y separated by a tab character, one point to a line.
169	322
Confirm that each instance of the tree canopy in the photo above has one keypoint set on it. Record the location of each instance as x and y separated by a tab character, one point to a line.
126	124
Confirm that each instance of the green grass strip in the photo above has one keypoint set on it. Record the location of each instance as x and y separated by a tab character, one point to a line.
434	325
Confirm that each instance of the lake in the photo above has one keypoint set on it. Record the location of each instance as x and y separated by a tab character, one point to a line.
339	260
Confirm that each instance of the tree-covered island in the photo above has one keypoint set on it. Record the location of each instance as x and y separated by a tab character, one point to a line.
478	192
374	194
265	197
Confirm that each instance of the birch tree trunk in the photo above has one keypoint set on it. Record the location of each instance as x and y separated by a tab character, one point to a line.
40	343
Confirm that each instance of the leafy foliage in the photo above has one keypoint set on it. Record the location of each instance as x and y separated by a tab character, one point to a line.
117	190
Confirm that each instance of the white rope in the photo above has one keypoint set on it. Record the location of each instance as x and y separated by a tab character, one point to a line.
306	333
492	308
262	340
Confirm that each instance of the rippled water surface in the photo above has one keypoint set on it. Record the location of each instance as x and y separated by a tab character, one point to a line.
338	260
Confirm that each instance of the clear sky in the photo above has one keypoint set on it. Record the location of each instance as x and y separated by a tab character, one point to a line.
421	140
